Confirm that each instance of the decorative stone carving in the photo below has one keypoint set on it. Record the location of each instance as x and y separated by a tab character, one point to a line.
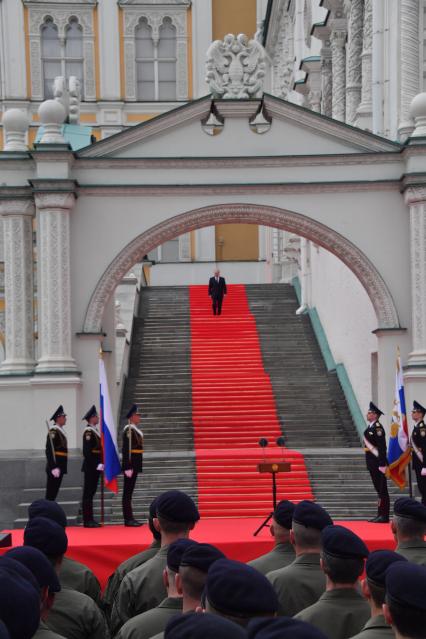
236	67
338	41
54	296
15	124
52	115
326	82
354	60
296	223
365	109
418	113
410	62
68	94
18	283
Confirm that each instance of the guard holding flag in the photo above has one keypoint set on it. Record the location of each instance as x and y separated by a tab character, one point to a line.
376	460
131	462
418	444
56	453
92	465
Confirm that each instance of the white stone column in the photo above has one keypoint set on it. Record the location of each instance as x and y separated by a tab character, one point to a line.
338	54
326	82
354	60
18	283
364	115
409	60
54	283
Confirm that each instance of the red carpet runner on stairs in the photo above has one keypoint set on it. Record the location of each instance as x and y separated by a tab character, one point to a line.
232	408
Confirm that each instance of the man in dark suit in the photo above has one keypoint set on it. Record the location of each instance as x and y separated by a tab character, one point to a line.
217	289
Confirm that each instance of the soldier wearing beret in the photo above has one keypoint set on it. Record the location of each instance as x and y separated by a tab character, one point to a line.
143	588
341	611
20	600
283	552
132	455
282	628
418	444
92	466
204	626
302	583
409	528
405	606
374	589
56	453
376	460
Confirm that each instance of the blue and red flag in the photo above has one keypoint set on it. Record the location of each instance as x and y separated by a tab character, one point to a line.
112	466
398	449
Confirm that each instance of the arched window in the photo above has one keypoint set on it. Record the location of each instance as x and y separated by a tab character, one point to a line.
145	61
74	51
167	61
51	56
156	62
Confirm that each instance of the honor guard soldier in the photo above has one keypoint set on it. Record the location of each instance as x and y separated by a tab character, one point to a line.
131	463
376	460
92	466
56	453
418	444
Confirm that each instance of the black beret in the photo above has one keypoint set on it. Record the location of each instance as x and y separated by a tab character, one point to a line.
338	541
237	589
410	508
38	564
13	567
92	412
282	628
202	626
201	556
132	410
153	508
19	605
59	412
49	509
283	513
174	505
4	634
377	564
47	536
175	552
312	515
373	408
417	406
406	584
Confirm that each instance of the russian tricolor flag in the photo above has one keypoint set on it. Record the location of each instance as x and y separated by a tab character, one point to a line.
398	449
108	433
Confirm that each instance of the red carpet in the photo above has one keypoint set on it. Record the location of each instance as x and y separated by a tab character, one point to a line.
103	549
232	408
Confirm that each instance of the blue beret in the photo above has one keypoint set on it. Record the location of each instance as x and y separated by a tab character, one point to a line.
202	626
15	568
201	556
38	564
174	505
377	564
283	513
3	631
282	628
338	541
49	509
406	584
47	536
19	605
312	515
175	552
237	589
410	508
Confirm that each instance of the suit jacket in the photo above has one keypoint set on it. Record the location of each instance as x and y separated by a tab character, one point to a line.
217	289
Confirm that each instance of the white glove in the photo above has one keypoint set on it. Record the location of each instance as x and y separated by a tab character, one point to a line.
100	467
382	469
56	472
423	473
129	473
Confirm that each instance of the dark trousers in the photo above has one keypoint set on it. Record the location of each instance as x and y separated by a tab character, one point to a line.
91	479
217	305
52	486
129	486
381	486
421	482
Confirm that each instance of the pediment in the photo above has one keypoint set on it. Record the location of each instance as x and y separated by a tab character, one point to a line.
294	131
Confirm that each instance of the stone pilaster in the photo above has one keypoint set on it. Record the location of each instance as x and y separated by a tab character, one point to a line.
54	296
409	60
326	82
354	60
185	247
364	117
338	55
18	282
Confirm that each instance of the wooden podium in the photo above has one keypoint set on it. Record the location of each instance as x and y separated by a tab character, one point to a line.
273	467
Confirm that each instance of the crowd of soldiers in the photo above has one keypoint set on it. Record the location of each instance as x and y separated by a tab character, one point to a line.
319	581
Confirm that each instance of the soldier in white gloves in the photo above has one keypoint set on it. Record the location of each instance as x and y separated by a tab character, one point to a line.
56	453
131	463
92	465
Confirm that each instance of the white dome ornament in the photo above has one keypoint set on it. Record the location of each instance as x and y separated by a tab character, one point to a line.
418	113
52	115
15	123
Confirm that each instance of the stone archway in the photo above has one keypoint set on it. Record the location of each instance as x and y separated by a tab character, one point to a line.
322	235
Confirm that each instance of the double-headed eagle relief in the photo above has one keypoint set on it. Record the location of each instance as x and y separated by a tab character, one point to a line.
236	67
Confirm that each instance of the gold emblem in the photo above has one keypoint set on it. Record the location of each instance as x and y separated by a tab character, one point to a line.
379	432
274	468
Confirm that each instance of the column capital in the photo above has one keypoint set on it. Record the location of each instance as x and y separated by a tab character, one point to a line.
54	201
17	207
415	194
338	36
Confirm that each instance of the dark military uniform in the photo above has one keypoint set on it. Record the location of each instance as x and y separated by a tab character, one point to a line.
298	585
56	457
339	613
279	557
375	457
414	551
76	616
76	576
151	622
92	457
132	452
418	444
376	628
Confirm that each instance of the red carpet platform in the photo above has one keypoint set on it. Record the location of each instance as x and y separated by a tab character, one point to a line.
103	549
233	406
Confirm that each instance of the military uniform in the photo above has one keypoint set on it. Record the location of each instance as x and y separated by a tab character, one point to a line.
279	557
339	613
92	459
414	551
56	456
43	632
150	623
76	616
418	444
375	457
76	576
298	585
376	628
132	456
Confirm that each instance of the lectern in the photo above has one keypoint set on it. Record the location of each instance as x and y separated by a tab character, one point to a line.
273	467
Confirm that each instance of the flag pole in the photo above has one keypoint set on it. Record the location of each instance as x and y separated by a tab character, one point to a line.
410	479
102	456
